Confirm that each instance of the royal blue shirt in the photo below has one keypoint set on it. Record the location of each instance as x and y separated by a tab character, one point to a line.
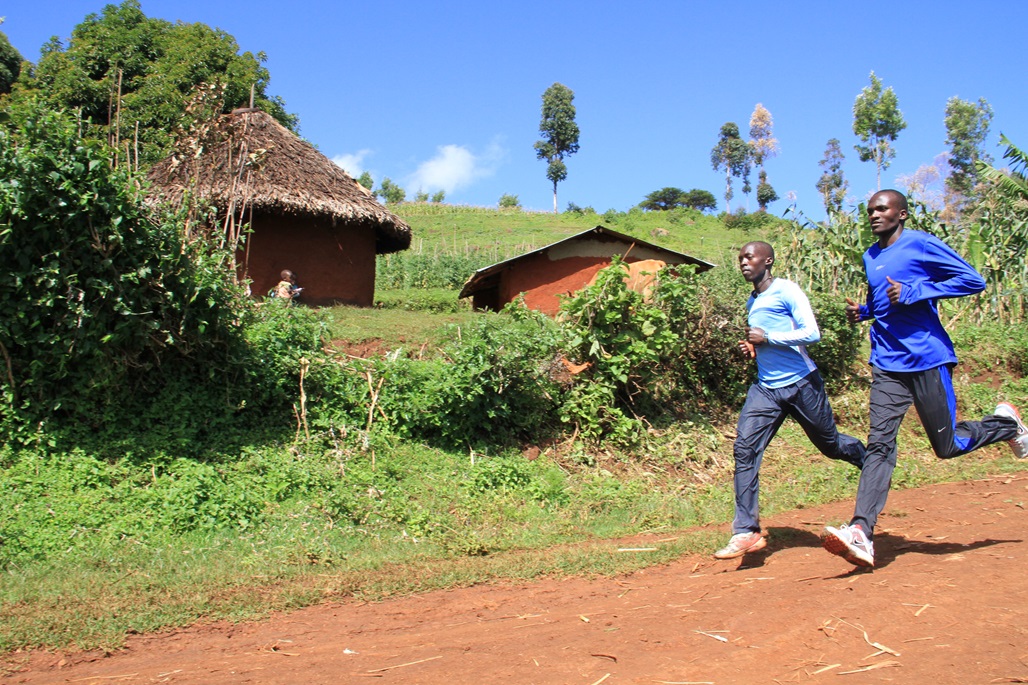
783	312
908	336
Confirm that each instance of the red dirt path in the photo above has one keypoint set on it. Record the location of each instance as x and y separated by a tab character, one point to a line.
948	603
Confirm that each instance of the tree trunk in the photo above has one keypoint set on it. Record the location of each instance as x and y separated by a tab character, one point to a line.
554	197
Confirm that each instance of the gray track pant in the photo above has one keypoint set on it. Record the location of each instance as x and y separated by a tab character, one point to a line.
931	393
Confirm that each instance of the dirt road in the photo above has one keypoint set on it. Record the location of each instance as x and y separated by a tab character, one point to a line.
948	603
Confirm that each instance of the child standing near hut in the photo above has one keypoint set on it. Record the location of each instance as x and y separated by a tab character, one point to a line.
286	289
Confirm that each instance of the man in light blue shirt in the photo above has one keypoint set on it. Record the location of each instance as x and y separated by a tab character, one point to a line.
912	360
780	325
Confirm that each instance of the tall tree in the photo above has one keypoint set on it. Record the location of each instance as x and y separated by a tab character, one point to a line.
560	134
762	137
877	121
10	63
764	146
833	184
967	126
733	156
122	67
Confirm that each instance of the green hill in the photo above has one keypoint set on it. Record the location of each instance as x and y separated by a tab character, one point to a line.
495	234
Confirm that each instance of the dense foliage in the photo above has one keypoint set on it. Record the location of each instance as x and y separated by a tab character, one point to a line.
671	198
131	76
111	324
10	64
827	256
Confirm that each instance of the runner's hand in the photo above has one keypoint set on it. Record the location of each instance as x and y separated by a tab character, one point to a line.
852	311
893	291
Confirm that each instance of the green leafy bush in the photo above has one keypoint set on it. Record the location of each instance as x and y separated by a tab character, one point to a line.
99	305
491	384
115	331
508	201
837	354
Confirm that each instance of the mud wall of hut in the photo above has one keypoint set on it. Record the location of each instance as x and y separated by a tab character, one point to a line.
564	269
333	264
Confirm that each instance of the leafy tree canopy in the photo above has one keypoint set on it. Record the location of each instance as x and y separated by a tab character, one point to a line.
765	193
877	121
762	138
10	64
700	199
122	67
670	198
967	126
390	192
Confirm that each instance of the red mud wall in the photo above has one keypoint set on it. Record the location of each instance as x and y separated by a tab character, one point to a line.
332	264
542	280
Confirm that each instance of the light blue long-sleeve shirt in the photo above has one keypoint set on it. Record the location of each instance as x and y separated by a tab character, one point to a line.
783	312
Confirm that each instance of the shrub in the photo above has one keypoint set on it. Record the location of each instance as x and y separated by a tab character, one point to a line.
508	201
581	211
749	221
103	310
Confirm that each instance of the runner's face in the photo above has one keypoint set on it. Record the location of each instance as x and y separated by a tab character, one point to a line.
753	263
885	213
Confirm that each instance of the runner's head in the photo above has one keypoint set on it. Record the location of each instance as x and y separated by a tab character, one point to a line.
755	261
887	211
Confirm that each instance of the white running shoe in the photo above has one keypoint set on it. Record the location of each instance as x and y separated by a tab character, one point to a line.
741	543
850	543
1019	444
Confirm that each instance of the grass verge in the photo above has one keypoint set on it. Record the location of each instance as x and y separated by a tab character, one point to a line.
426	520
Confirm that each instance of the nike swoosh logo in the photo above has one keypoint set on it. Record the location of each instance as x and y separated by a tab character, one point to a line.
941	429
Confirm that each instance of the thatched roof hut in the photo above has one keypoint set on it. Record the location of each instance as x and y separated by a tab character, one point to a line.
305	213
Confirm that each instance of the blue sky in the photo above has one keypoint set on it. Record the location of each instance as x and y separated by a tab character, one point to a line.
447	95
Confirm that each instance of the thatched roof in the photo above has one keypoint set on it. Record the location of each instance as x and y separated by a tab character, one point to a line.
247	160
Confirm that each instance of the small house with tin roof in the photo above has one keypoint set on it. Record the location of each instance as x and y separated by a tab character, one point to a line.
564	267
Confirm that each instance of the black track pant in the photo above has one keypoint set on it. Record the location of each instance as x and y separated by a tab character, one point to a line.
762	415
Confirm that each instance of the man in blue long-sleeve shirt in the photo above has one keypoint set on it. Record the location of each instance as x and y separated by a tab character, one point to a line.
780	325
912	361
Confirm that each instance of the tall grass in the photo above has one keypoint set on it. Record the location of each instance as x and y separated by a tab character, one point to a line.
827	257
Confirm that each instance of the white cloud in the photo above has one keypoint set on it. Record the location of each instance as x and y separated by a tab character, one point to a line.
455	167
352	164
